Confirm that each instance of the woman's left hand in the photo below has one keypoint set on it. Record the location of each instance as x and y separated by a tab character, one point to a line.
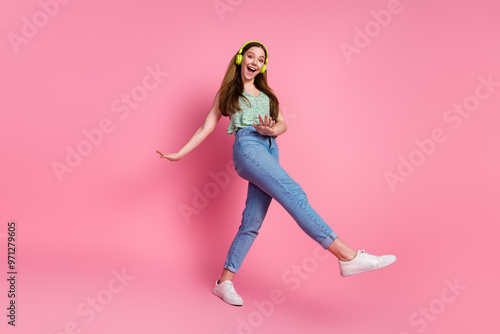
265	127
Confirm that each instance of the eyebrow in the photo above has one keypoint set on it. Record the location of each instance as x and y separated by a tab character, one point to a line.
254	54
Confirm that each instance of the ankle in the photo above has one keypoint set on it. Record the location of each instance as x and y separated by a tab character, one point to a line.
227	275
348	255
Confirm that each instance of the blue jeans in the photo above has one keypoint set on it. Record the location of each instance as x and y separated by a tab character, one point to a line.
255	158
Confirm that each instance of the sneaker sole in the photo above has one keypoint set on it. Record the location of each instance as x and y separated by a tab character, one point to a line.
344	274
225	301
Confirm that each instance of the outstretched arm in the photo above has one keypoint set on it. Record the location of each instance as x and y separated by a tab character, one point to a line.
199	136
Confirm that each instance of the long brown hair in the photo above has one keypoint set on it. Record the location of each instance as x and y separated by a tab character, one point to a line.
232	87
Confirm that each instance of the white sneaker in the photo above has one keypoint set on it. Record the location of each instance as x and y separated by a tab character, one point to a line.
364	262
226	292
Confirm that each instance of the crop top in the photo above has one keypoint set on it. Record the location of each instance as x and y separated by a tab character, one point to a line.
249	113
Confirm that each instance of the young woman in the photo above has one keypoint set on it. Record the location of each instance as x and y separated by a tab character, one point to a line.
256	120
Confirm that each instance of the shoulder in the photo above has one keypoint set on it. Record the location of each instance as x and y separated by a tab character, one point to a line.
216	98
215	106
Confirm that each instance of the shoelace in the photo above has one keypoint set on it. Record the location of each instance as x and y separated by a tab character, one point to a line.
363	253
227	288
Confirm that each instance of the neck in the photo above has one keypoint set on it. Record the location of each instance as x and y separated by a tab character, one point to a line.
247	82
249	87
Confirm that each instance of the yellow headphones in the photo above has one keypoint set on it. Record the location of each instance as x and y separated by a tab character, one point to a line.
239	56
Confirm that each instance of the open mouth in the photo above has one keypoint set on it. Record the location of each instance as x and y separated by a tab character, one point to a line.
251	69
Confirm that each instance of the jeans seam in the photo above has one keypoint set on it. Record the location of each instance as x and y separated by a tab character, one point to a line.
243	225
283	187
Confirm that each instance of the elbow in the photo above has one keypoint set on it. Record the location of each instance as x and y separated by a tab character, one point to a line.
207	129
284	126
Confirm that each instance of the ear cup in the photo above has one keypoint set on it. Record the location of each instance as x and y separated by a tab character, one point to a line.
263	69
239	57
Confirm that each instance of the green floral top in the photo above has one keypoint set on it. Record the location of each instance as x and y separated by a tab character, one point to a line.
249	113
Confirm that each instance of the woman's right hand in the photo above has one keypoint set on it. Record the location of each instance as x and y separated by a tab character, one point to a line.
171	157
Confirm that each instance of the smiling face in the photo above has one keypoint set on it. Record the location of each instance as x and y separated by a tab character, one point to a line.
253	60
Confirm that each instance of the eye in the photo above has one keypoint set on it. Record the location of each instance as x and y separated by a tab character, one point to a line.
261	61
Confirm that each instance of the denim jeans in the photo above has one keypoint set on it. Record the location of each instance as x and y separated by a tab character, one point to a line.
256	159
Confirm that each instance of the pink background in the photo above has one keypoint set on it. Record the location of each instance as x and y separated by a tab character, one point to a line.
350	120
